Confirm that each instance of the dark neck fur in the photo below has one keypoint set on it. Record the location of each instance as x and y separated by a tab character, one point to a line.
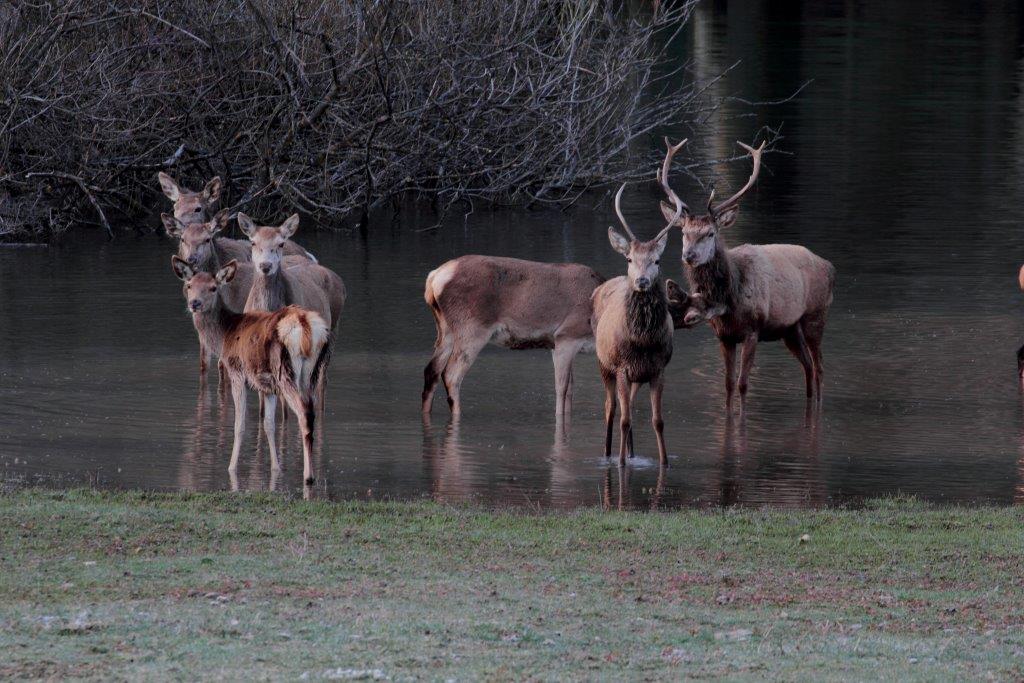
716	279
646	312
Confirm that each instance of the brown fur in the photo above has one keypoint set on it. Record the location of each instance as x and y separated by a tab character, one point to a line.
753	292
512	303
254	348
633	336
768	292
293	281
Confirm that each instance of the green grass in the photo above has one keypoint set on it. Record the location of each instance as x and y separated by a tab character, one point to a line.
138	585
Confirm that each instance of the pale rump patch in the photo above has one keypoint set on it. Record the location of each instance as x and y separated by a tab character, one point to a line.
437	279
303	333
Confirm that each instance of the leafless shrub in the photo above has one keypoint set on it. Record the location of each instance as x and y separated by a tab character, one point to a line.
330	107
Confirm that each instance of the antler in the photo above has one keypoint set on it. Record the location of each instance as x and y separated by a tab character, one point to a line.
618	212
663	177
731	201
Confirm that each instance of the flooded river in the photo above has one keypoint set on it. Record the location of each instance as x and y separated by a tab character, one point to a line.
906	172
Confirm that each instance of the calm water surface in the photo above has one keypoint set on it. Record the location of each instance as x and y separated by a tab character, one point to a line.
906	173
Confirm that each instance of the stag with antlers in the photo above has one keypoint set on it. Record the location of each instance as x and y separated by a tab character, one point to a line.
762	292
633	332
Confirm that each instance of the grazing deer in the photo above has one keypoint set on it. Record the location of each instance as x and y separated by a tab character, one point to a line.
197	207
280	280
513	303
282	352
633	333
768	291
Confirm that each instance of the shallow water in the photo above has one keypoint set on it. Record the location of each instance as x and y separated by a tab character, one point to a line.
906	173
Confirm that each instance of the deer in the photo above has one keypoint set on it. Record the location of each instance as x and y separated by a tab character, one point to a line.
633	333
197	208
280	280
762	292
282	352
513	303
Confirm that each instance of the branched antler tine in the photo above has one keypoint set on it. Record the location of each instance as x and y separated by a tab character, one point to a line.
756	155
666	165
618	212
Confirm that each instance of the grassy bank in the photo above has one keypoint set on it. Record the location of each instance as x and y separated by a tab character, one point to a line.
140	585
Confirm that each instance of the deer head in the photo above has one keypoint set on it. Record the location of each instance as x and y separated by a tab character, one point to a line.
643	257
700	233
268	241
195	240
201	288
191	207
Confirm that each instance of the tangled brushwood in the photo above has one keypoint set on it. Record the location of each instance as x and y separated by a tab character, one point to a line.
328	107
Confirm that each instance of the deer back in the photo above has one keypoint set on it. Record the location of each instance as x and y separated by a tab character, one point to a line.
531	301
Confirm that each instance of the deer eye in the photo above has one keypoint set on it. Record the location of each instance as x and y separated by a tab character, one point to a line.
213	289
658	261
198	209
629	260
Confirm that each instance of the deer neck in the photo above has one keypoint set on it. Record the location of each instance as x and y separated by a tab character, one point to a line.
717	279
214	261
269	292
213	326
646	313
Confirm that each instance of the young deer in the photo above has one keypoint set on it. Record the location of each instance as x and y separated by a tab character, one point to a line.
197	207
633	333
203	252
512	303
768	292
280	280
276	353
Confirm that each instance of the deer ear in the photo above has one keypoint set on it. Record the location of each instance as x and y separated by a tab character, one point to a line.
669	212
172	225
661	244
727	217
169	187
289	227
212	189
220	221
246	224
675	292
181	268
227	273
619	243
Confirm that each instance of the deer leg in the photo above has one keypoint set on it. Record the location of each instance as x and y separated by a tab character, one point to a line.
609	410
204	359
729	358
432	373
657	386
797	345
562	357
623	388
749	347
270	427
239	395
305	413
633	389
814	330
459	364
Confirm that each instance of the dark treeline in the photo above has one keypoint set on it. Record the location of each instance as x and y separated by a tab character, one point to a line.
328	107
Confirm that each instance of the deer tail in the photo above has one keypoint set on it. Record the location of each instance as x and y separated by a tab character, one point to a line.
307	340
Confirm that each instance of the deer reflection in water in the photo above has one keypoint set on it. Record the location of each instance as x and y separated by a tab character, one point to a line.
206	440
789	476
